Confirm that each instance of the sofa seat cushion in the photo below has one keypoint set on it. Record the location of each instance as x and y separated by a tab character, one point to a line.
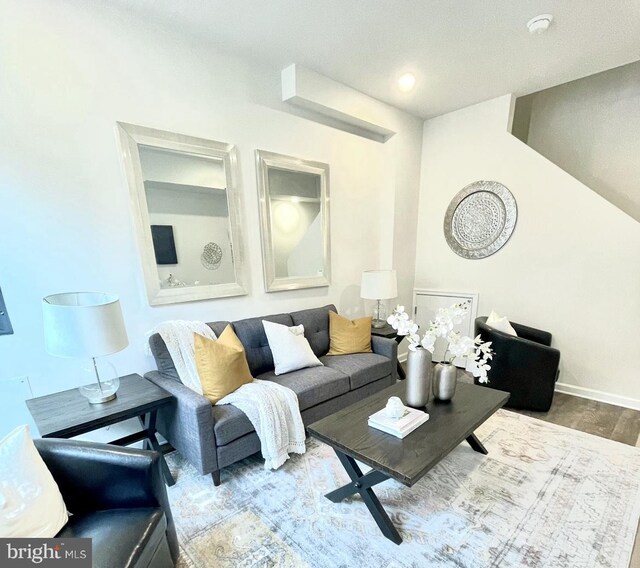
312	385
121	538
361	368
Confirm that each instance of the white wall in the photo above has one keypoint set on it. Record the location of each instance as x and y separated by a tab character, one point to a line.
572	265
70	70
590	128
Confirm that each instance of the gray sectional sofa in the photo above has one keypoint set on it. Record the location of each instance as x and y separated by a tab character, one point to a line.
213	437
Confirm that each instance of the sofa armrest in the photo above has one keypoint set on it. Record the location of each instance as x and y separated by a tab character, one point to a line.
532	334
187	423
387	348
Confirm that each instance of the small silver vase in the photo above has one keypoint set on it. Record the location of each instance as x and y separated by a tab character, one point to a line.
419	374
444	381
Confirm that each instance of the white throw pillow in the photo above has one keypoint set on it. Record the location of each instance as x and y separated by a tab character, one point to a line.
501	324
31	505
290	349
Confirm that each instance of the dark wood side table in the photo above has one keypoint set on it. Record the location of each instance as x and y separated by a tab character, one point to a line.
390	333
67	414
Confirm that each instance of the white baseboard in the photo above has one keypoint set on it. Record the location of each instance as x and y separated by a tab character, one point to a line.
402	357
600	396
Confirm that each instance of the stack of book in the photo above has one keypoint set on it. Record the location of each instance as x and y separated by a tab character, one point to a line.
398	427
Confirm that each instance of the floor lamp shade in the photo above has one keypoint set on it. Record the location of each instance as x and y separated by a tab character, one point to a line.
83	324
379	285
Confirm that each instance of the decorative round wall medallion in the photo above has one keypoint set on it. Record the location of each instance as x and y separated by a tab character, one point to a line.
480	219
211	256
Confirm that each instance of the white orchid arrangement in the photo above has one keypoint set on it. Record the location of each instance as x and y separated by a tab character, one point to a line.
479	353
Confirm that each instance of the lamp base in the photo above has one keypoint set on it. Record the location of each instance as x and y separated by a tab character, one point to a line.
379	315
95	395
103	399
106	382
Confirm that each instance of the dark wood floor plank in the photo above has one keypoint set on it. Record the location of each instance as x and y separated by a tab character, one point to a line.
599	419
627	429
566	411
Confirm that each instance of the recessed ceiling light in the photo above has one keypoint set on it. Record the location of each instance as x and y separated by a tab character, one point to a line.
407	82
539	24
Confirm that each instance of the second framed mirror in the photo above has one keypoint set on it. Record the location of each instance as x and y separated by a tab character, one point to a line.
294	214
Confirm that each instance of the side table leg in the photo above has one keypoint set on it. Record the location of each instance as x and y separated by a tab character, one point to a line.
150	426
146	444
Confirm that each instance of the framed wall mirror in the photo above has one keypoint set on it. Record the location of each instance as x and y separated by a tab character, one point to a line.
187	212
294	215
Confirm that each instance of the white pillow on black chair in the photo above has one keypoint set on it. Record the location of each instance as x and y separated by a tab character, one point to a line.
31	505
500	323
290	349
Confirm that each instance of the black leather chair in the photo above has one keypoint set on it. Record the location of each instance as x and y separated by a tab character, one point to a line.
525	366
117	497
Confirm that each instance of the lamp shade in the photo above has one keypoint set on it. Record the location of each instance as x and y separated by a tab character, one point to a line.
379	285
83	324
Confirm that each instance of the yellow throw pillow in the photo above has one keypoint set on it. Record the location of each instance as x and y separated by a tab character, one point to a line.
222	364
349	336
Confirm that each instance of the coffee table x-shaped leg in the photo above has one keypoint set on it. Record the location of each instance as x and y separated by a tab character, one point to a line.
363	483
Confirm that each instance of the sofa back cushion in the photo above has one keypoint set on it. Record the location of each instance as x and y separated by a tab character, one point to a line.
251	333
160	353
316	327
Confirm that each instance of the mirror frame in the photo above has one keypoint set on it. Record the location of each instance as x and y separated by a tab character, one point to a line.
264	161
130	137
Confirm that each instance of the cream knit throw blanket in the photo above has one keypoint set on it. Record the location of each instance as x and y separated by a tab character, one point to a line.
274	412
272	409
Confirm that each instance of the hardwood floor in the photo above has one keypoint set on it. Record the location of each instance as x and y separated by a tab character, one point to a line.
598	418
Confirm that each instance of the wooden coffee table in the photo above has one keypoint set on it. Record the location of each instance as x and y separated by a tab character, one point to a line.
406	460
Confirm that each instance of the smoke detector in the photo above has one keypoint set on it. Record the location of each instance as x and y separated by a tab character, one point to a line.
539	24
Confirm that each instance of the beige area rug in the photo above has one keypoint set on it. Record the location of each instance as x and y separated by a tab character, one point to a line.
545	496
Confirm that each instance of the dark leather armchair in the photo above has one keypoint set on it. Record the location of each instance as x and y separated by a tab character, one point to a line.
525	366
117	497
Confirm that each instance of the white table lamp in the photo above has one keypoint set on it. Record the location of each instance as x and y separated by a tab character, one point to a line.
87	325
379	285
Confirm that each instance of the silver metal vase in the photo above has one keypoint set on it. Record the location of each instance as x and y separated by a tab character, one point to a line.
444	381
419	375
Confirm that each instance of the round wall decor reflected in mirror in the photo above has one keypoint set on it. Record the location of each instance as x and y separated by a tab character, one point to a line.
211	256
480	219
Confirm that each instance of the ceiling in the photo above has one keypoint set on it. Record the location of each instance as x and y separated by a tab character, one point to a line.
461	51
